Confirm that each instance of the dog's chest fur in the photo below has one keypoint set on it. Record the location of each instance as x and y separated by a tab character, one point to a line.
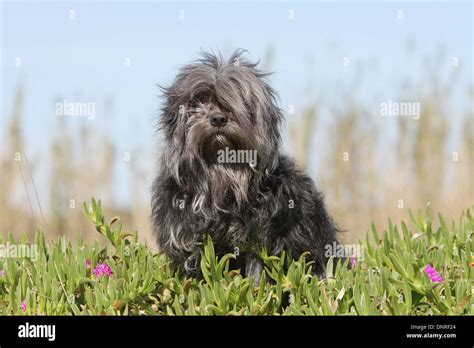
223	204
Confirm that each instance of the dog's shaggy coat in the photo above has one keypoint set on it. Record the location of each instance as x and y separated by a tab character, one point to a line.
210	106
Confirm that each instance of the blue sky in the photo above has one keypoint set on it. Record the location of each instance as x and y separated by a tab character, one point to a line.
83	59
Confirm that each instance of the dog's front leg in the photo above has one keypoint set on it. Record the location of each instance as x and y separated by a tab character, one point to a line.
253	267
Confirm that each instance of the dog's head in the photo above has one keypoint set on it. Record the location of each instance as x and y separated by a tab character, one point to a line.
214	105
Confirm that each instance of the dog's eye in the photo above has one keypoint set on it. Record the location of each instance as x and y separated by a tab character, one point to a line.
225	108
199	100
196	103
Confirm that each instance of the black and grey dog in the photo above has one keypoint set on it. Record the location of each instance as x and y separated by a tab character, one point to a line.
215	108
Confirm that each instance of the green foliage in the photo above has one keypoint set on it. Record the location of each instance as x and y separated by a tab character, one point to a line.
390	280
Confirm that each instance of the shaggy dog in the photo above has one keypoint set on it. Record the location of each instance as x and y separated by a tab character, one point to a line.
215	111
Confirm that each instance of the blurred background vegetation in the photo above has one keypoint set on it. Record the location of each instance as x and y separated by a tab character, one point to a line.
365	176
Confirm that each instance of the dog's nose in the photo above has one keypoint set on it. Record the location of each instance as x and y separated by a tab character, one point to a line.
218	120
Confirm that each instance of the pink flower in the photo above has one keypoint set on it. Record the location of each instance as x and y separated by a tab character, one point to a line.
353	261
433	274
103	269
88	263
2	273
23	306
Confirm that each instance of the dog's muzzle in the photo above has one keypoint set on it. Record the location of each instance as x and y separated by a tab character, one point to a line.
218	120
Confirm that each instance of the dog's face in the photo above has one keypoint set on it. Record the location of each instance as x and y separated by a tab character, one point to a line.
213	105
212	124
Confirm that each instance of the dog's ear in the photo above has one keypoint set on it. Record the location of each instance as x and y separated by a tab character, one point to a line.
171	112
263	105
264	97
271	117
173	129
